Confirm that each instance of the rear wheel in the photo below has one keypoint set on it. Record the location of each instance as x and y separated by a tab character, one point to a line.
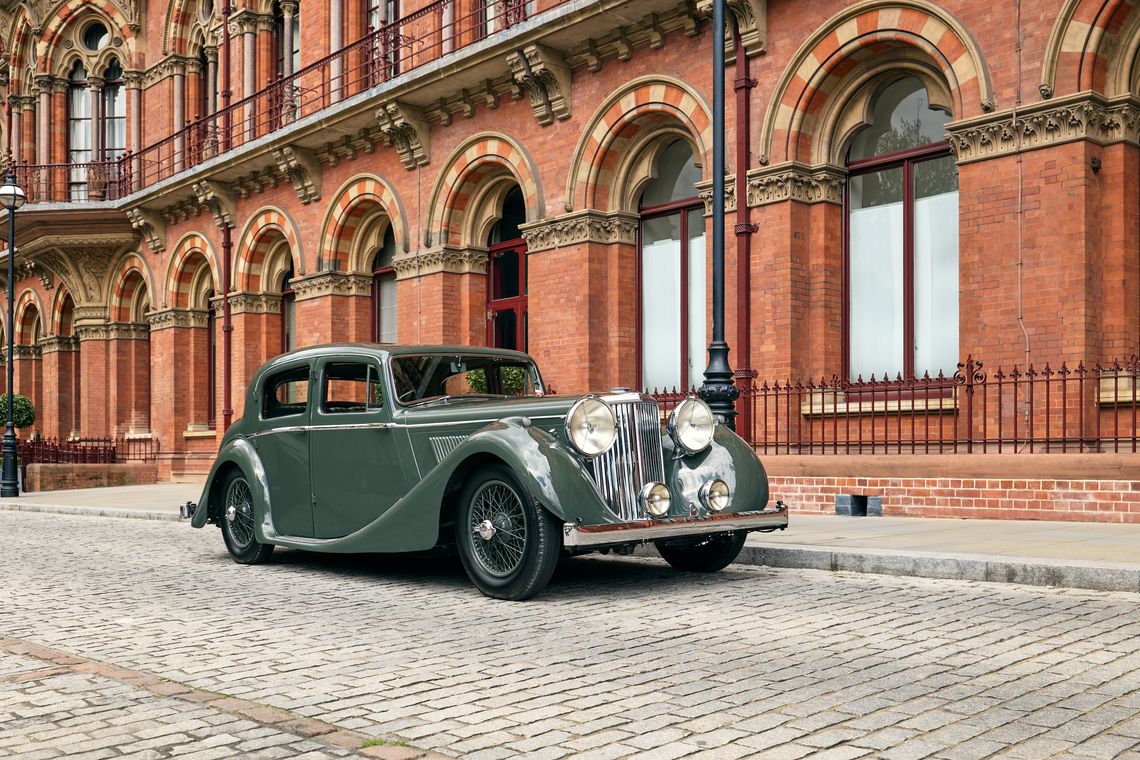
708	556
509	545
237	521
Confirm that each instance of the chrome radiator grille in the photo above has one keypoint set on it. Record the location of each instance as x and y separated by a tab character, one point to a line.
634	460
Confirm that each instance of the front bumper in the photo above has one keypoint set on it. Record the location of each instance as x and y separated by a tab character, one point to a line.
586	536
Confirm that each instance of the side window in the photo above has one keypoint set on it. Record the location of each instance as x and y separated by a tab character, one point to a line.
286	393
351	387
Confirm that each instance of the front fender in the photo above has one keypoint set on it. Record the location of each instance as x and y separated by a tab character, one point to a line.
730	459
240	453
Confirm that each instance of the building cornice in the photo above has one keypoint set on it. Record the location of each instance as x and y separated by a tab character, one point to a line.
793	181
244	302
588	226
168	318
324	284
444	259
1083	116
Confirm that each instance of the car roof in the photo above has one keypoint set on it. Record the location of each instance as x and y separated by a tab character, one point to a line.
391	349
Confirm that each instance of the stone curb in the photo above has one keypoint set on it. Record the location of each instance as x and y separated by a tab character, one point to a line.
68	509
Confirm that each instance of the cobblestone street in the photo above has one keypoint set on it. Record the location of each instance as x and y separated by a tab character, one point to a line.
143	639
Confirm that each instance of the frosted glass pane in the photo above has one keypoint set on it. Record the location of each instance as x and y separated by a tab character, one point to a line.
388	310
876	290
698	342
936	284
660	302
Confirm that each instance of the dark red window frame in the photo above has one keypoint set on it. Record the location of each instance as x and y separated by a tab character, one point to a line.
378	274
906	160
518	303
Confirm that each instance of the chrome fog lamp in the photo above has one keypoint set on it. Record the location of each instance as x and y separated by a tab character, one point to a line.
591	426
655	499
714	495
691	425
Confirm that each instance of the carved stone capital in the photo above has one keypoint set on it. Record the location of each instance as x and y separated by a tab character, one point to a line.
244	302
58	343
331	284
303	170
21	353
128	331
586	226
168	318
442	259
751	18
91	332
542	73
1085	116
704	191
407	130
793	181
216	197
89	315
152	226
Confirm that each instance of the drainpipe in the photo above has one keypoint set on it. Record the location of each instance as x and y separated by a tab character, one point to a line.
744	230
227	239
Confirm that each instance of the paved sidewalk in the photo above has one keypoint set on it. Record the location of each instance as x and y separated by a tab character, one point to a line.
1099	556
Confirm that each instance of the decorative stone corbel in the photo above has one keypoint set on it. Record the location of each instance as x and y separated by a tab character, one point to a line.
216	197
152	226
544	76
752	20
407	129
303	170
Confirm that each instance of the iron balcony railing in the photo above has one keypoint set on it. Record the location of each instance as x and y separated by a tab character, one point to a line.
1086	408
406	44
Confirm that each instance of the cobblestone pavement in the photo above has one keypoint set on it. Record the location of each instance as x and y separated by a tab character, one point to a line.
617	658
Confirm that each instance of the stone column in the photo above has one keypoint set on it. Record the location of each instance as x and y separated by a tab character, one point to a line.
133	80
211	80
95	173
336	42
15	107
289	9
28	128
179	115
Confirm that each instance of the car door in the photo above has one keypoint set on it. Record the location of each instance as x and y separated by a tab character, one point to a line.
357	473
282	443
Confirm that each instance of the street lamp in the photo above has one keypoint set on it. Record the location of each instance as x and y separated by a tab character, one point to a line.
11	198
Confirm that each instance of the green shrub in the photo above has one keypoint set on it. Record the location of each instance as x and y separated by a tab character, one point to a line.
23	413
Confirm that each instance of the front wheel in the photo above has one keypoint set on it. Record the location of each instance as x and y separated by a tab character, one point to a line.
237	521
707	556
509	545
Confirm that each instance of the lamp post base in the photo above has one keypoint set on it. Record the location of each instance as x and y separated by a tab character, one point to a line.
718	390
9	480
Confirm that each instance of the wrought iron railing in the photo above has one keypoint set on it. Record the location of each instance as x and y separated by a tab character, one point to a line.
87	450
1086	408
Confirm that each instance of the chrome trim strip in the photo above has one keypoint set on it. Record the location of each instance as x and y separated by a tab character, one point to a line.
487	421
311	428
584	536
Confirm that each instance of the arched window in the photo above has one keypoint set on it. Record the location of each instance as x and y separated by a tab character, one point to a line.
288	312
672	272
384	291
79	142
902	239
506	276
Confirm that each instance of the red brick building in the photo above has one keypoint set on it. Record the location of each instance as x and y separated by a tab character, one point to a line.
929	182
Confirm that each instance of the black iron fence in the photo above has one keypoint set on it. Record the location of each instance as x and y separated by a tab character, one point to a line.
87	450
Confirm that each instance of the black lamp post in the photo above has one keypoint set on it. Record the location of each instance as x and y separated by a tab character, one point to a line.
718	391
11	198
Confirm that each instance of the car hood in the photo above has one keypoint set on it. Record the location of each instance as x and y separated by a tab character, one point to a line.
487	410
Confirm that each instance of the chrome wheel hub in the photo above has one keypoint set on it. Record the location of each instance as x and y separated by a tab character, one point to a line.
498	519
231	512
239	513
486	530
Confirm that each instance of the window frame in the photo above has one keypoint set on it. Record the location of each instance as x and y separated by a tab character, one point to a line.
379	275
906	160
272	381
373	375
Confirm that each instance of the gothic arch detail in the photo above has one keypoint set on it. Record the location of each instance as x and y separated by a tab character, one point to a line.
262	233
357	200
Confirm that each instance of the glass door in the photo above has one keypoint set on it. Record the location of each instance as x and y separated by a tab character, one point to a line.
507	296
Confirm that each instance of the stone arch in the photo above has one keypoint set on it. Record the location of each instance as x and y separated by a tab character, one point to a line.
60	23
359	202
262	235
1093	45
131	289
21	47
29	310
634	118
192	255
858	44
480	164
183	25
62	321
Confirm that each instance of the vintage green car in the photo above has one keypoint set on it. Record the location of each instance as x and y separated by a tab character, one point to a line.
370	448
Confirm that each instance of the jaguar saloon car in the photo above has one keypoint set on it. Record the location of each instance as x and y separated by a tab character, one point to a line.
392	449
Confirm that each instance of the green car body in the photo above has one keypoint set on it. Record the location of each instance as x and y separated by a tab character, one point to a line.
387	477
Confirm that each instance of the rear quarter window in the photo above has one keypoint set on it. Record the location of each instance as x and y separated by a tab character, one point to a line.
286	393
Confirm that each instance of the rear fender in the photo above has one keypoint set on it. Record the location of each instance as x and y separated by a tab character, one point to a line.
237	453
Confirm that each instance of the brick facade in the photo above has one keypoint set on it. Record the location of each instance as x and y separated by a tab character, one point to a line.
116	289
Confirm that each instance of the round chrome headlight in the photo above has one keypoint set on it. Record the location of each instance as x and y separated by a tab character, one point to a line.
714	495
591	426
691	425
655	499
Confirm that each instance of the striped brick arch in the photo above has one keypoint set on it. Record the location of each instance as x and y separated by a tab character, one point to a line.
264	230
642	106
28	308
862	41
478	161
191	255
130	281
179	27
359	199
58	21
1093	46
62	312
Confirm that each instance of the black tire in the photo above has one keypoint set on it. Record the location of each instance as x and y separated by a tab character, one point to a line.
236	519
508	544
707	556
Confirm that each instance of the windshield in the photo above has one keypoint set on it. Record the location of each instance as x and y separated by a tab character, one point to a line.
424	378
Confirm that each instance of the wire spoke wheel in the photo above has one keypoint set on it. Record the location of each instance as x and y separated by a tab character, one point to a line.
498	525
239	512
